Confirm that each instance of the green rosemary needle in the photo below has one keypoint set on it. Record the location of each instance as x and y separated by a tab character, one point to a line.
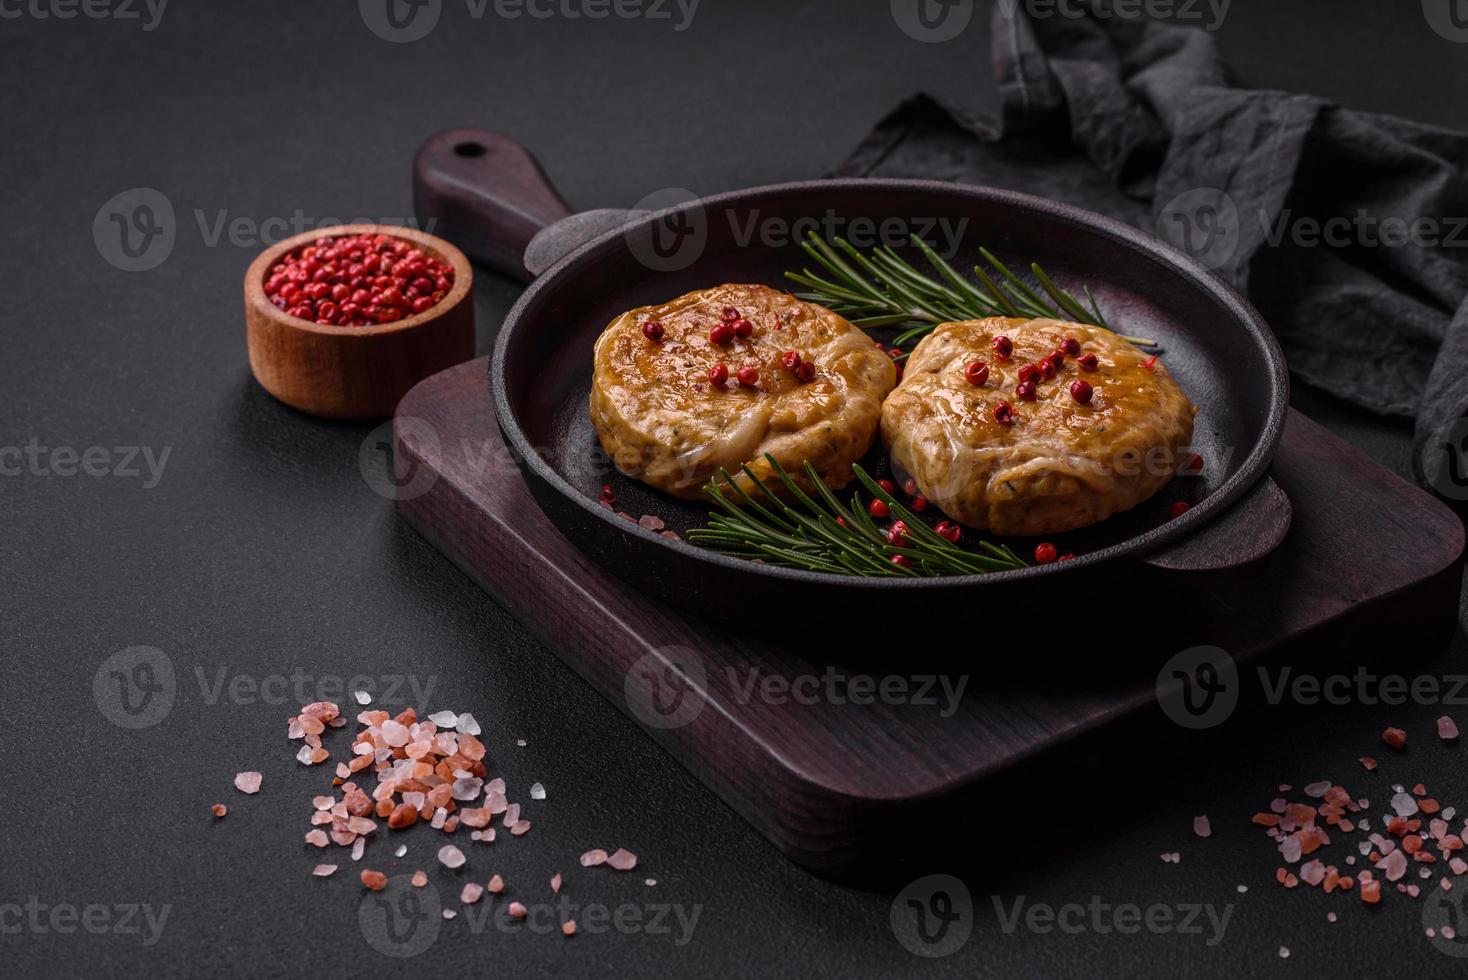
881	289
822	534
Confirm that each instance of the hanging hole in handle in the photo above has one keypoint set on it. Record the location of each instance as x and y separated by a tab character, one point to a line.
469	149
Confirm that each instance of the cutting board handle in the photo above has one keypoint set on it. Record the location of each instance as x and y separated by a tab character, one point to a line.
1251	529
485	193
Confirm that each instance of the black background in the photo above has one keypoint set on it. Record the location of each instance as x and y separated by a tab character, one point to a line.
263	552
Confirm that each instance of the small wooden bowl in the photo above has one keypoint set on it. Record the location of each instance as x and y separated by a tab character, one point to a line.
356	372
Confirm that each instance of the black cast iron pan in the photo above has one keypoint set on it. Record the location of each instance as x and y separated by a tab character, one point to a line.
487	194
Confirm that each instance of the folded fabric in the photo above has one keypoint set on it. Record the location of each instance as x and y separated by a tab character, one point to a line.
1348	230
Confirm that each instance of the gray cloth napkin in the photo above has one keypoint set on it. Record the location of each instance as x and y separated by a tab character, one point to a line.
1348	230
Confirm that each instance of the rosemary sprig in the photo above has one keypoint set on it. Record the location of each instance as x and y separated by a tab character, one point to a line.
825	535
881	289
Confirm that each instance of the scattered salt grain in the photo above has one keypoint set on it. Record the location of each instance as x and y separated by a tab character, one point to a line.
1284	952
1447	729
1201	827
622	860
517	911
520	742
1243	889
593	857
402	849
1317	790
556	883
450	856
317	837
537	791
219	810
358	846
496	885
472	893
568	928
420	878
1330	917
1404	805
449	913
468	724
444	719
247	782
324	870
362	697
1367	763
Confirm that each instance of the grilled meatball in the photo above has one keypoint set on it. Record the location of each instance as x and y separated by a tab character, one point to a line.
1057	463
663	419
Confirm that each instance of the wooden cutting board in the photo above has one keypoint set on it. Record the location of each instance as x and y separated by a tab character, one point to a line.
825	747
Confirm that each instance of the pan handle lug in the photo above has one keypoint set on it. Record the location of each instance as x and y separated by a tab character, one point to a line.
1250	530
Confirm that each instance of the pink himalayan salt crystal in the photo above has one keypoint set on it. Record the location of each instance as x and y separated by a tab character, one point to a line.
394	734
323	802
420	878
1394	864
520	828
324	870
1284	952
1317	790
1202	827
1312	873
556	883
1330	917
1447	729
471	893
1404	805
450	856
317	837
247	782
358	846
622	860
1458	865
449	913
496	885
593	857
568	928
1367	763
517	911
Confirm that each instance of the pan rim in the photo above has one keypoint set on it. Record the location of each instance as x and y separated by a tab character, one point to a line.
1250	472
